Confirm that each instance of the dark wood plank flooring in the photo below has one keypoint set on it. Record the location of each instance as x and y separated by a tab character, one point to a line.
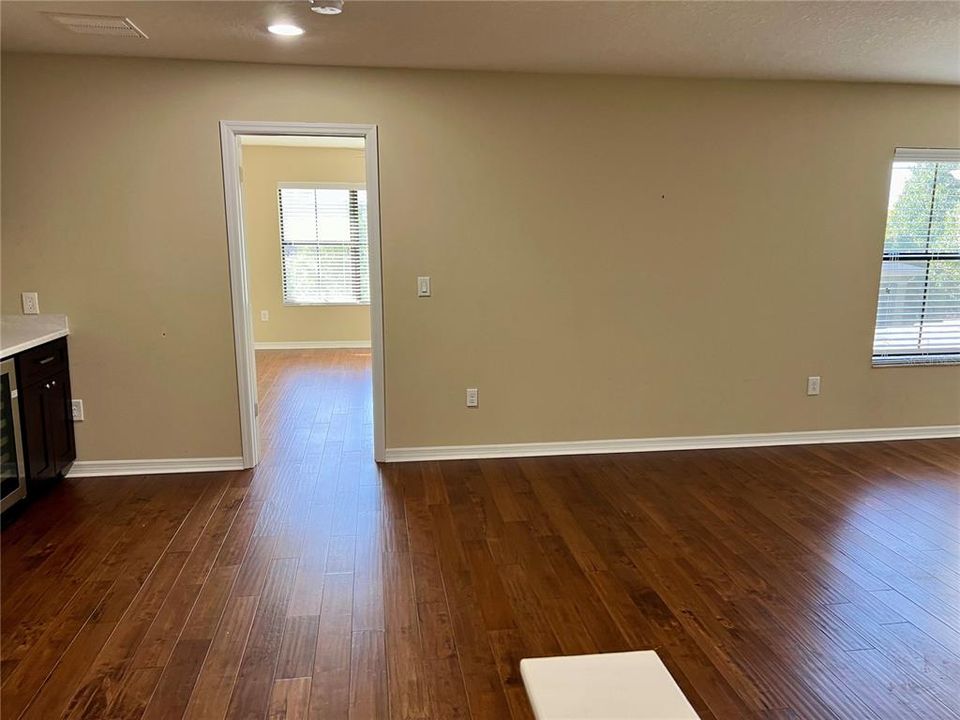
797	582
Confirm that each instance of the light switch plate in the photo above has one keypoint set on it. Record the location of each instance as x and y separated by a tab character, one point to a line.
31	303
264	315
423	286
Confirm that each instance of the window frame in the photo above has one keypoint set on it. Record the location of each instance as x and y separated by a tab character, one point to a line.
919	155
314	186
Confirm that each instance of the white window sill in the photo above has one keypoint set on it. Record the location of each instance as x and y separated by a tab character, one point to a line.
923	360
289	304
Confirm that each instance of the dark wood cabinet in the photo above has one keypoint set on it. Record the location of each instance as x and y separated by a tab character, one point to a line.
58	399
37	450
46	417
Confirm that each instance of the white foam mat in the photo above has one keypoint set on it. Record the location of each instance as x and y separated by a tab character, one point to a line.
609	686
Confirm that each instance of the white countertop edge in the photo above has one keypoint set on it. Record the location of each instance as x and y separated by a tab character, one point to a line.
32	343
49	327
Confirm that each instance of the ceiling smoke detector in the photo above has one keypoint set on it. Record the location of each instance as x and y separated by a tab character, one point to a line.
113	25
327	7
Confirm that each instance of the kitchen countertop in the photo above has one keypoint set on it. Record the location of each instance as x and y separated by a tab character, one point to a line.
22	332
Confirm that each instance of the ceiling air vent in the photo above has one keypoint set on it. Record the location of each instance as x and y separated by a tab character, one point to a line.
98	25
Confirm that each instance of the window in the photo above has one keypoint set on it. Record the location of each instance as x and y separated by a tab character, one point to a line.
918	313
323	245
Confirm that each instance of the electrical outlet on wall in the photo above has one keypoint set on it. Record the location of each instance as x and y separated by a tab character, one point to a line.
472	399
31	303
264	315
813	385
77	407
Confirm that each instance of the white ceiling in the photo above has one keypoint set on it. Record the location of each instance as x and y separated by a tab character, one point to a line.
901	41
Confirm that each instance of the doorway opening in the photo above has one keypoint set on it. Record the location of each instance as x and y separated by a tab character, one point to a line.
303	222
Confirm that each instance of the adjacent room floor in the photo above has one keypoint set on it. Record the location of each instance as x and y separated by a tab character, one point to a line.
800	582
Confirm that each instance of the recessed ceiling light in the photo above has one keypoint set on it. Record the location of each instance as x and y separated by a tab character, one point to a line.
327	7
285	30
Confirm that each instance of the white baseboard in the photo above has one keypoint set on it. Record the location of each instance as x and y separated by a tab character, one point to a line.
312	345
165	466
696	442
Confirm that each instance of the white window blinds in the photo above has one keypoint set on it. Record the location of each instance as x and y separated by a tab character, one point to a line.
918	313
323	244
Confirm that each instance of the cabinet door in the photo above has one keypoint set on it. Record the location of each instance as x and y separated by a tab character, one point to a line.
59	420
36	436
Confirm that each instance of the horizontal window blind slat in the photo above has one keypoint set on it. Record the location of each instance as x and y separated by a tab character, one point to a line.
926	155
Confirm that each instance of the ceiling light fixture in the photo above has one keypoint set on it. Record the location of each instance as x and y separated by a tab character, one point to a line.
286	30
327	7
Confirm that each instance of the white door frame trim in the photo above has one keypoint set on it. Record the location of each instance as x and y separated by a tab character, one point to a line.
242	312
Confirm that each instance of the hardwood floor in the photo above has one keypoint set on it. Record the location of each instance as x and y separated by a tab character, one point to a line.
799	582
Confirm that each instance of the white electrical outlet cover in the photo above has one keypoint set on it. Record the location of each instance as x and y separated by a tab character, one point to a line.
264	315
76	407
31	303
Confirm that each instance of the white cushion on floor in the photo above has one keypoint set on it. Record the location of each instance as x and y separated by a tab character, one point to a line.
609	686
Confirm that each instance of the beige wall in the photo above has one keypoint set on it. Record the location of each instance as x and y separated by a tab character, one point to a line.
263	167
611	257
